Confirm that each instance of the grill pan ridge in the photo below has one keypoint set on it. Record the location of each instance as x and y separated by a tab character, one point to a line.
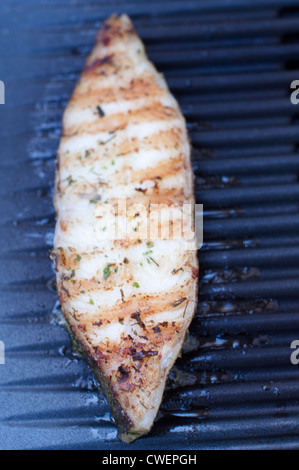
230	64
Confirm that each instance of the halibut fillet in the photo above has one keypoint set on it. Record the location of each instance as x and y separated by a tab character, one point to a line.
129	300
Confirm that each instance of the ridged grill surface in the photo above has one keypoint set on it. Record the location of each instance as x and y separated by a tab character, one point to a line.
230	64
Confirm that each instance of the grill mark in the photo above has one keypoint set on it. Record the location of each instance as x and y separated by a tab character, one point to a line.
135	89
146	305
163	140
155	111
163	170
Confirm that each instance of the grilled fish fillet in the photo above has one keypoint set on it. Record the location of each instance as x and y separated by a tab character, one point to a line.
128	300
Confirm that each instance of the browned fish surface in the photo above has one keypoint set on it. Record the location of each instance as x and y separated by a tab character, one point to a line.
129	300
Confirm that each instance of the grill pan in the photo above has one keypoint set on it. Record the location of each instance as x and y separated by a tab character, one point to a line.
230	64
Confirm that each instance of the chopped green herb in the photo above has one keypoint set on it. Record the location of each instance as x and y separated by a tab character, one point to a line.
178	302
152	259
91	170
78	258
136	285
174	271
91	302
102	142
100	111
149	259
70	180
106	272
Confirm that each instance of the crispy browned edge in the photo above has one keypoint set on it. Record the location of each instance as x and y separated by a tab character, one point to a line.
123	421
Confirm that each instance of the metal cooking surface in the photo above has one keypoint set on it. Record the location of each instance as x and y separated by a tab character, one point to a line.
230	64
